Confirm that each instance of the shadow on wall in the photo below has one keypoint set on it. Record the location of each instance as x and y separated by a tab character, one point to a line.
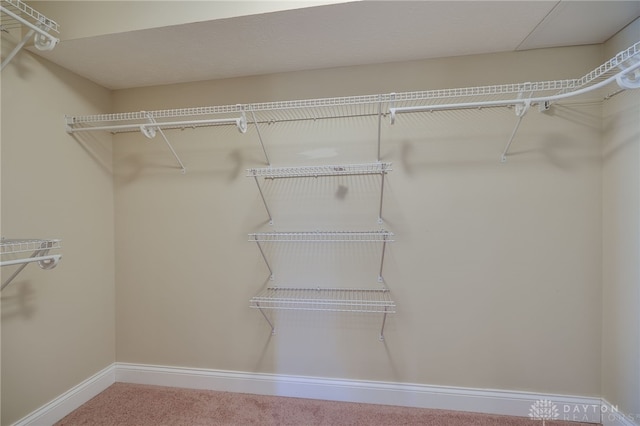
97	149
555	149
18	301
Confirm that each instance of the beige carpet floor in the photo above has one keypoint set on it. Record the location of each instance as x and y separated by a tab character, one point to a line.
141	405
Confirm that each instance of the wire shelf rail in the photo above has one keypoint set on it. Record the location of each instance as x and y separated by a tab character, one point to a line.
10	246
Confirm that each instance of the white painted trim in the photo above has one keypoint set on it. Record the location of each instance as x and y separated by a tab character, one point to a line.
612	418
64	404
490	401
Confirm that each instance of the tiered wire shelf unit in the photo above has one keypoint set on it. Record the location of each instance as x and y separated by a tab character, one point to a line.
622	72
361	300
13	252
18	16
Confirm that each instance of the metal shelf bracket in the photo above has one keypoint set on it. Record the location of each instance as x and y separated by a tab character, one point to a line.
521	110
149	130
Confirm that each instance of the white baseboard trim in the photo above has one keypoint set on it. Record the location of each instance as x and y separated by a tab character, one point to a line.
64	404
612	417
490	401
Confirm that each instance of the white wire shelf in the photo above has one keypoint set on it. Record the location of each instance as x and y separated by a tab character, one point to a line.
366	105
379	168
316	171
323	236
10	246
27	13
16	15
325	299
381	236
39	248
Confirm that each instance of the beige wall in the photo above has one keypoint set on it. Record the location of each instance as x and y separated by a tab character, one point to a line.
57	325
496	268
621	227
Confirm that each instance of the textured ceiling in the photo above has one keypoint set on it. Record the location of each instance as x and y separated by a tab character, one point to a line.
337	35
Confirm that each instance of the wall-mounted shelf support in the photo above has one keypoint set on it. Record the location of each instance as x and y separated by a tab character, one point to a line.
379	125
521	110
325	299
150	132
384	247
40	254
256	238
16	14
264	150
319	171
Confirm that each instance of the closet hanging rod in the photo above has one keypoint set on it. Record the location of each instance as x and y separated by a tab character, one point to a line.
45	260
623	78
240	122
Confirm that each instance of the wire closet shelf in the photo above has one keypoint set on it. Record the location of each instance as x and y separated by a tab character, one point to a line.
316	171
361	300
13	253
618	73
323	236
18	16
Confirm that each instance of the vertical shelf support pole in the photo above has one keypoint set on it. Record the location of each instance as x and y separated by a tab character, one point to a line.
379	123
521	110
24	265
255	122
264	201
384	246
384	172
264	257
183	169
149	130
16	49
273	329
384	320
